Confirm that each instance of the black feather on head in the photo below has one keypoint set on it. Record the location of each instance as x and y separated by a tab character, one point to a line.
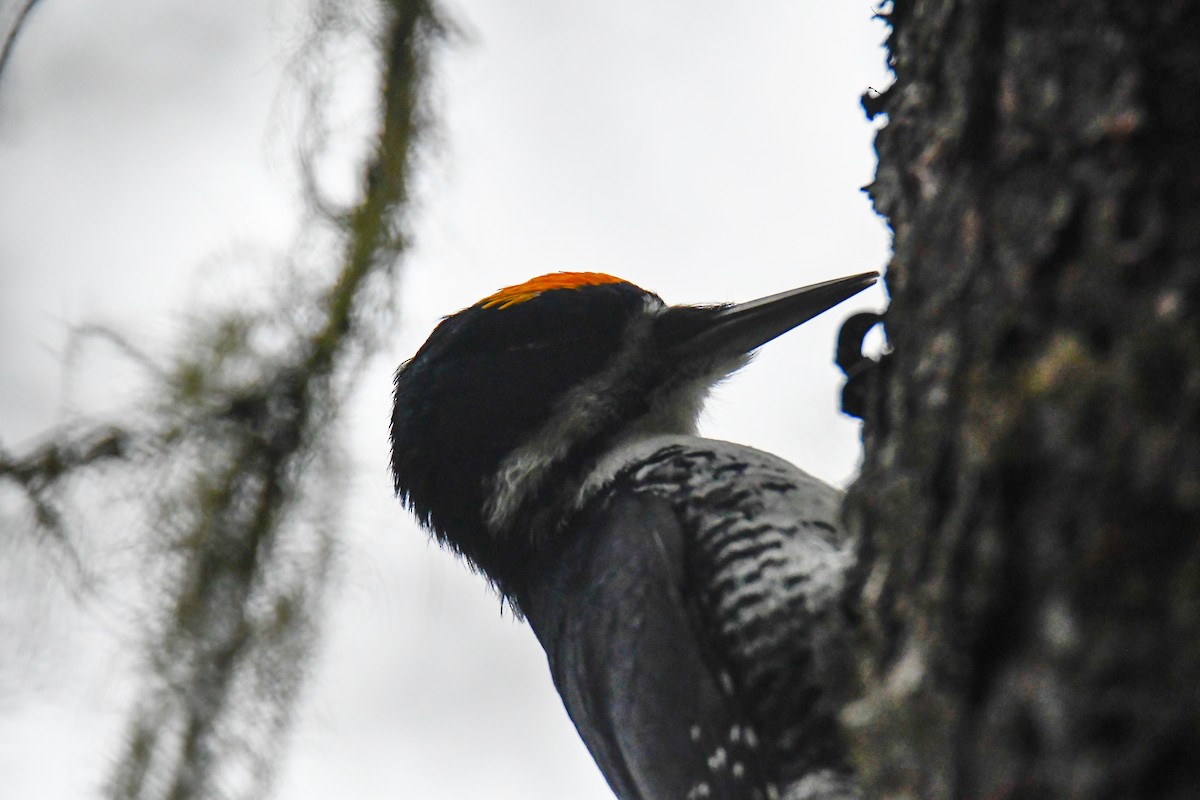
487	378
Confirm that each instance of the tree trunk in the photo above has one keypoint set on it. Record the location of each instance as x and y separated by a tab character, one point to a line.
1029	503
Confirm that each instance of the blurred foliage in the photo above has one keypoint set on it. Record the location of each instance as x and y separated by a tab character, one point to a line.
233	457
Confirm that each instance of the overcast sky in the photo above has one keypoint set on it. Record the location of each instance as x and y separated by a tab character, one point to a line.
708	151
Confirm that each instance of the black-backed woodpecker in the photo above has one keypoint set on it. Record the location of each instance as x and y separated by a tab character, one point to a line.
689	593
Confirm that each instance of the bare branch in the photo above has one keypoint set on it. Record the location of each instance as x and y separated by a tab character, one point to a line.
10	37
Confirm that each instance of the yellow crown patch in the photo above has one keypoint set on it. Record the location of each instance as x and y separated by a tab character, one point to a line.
511	295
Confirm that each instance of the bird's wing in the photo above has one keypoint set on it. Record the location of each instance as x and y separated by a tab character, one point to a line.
766	565
654	710
767	562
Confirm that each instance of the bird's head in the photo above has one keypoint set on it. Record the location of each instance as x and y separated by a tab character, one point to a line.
508	404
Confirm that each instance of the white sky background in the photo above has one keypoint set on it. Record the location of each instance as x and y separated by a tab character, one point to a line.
708	151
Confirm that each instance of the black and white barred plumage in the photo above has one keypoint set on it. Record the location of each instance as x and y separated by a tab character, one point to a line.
743	551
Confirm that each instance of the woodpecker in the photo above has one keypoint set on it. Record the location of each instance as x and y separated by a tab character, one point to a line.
690	594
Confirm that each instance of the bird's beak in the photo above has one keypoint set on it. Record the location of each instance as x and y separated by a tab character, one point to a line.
729	331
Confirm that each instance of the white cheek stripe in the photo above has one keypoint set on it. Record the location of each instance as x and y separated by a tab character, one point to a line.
577	415
582	412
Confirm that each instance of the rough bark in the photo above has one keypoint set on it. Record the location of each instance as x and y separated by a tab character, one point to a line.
1030	498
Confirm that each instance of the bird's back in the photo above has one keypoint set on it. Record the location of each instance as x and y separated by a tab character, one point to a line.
693	616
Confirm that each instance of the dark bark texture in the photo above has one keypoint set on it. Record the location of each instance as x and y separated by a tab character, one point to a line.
1030	498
